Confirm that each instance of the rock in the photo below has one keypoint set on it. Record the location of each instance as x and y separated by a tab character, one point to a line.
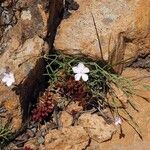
123	27
12	146
96	127
94	146
32	143
11	103
42	132
23	63
74	107
30	133
139	79
68	138
66	119
41	140
25	25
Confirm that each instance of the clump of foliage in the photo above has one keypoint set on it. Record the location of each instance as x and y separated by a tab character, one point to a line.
74	90
44	108
104	89
5	134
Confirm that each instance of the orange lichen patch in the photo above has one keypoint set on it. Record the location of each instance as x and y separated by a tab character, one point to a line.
11	104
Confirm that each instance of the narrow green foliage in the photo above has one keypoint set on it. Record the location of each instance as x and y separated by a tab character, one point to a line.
5	133
100	75
101	79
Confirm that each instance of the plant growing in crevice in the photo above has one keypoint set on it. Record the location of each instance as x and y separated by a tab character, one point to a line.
44	107
5	134
74	90
102	89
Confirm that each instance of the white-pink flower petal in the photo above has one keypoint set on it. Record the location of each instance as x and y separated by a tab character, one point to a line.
81	71
118	121
85	77
86	70
5	78
81	67
78	76
75	69
8	78
9	83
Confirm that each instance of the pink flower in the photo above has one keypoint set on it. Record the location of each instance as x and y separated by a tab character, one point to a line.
118	121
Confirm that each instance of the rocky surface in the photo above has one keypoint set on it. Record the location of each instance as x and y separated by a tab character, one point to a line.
24	27
96	127
89	131
131	141
89	128
123	28
69	138
142	61
66	119
27	33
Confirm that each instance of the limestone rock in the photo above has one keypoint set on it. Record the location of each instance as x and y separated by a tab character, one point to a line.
66	119
10	101
22	62
94	146
69	138
132	141
96	127
123	28
25	24
33	144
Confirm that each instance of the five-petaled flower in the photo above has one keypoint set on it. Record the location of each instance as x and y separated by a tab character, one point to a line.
81	72
8	78
118	121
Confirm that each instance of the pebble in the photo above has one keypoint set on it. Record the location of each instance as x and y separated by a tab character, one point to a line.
41	140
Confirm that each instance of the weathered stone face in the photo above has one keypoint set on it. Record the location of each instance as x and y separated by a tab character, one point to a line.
21	48
96	127
121	25
75	138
